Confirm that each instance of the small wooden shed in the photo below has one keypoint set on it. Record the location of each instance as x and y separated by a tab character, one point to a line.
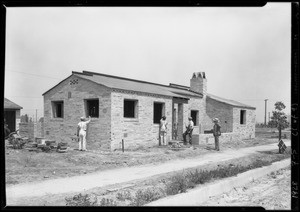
12	114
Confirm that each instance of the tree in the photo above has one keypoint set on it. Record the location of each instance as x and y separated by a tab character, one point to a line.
279	119
24	118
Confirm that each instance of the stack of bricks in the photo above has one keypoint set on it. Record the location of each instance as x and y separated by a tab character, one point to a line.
62	147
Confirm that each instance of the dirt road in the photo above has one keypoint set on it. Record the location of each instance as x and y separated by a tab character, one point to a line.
100	179
273	192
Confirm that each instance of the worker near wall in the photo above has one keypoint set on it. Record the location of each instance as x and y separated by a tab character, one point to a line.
81	133
6	129
163	131
188	131
216	132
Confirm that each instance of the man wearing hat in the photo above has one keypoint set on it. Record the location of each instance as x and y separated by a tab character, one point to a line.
216	132
81	133
163	131
188	131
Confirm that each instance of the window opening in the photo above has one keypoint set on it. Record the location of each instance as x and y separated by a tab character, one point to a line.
58	109
92	108
158	112
130	108
194	115
243	117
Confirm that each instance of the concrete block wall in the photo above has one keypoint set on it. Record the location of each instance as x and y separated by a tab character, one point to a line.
246	130
209	138
31	130
73	96
27	130
140	131
18	119
198	104
222	111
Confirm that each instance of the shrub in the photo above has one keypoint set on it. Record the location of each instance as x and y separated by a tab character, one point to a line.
124	195
81	200
107	202
144	196
178	184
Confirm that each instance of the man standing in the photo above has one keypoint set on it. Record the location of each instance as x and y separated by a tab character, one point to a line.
81	132
216	132
188	131
163	131
6	129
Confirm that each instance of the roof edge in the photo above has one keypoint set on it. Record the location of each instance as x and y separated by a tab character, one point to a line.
240	106
89	73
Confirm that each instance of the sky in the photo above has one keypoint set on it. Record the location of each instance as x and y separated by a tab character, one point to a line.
244	52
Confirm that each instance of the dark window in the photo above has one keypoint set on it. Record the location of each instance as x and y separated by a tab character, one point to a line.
194	115
58	109
243	117
130	108
92	107
158	112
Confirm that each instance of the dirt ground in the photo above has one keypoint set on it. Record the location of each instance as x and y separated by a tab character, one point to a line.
272	192
159	182
24	166
115	192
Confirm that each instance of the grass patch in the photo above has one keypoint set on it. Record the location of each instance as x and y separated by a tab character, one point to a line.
182	182
144	196
124	195
81	200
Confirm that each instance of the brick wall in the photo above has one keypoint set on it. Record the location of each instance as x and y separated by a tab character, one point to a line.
18	119
140	131
73	95
31	130
224	112
199	105
246	130
209	138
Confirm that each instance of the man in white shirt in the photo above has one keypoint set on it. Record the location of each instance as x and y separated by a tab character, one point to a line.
189	131
163	131
81	132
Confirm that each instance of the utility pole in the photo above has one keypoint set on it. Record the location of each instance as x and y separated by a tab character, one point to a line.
266	112
36	115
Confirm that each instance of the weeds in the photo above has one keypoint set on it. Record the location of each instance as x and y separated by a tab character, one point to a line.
81	200
124	195
178	184
107	202
182	182
144	196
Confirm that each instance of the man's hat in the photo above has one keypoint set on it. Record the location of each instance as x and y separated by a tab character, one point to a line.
215	120
190	118
82	118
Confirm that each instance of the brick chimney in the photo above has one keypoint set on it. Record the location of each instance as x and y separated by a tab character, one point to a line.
198	83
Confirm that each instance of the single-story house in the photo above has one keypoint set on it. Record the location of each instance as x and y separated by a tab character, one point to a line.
12	114
130	109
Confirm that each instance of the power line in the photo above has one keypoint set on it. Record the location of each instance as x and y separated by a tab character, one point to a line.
35	75
26	96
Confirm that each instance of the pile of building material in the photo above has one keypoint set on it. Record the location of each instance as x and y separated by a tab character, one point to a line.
41	144
62	147
177	146
15	141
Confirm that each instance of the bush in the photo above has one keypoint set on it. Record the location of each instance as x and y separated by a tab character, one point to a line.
107	202
124	195
178	184
81	200
143	197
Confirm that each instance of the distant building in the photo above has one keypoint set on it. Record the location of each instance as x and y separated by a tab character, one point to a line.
12	114
131	109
